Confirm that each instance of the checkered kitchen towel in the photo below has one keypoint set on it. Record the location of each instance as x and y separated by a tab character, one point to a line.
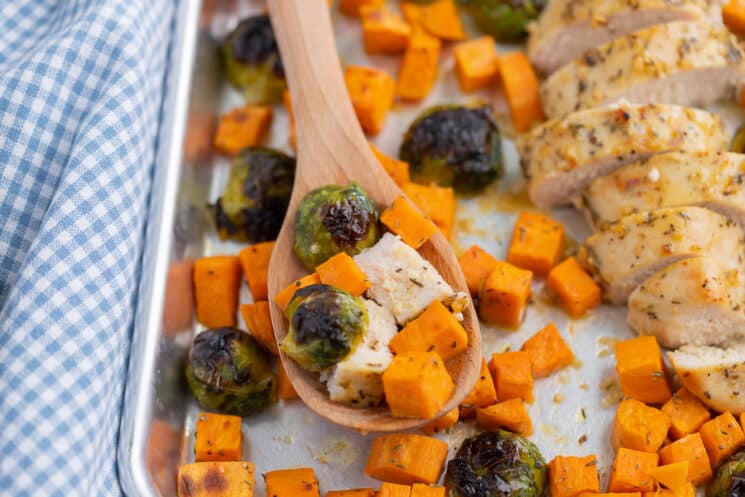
81	85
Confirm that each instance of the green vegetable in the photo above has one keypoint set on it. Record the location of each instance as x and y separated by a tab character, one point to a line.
506	20
326	324
496	464
730	478
229	372
252	61
334	219
738	141
255	199
454	146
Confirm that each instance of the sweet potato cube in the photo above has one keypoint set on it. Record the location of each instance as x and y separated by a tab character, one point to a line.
686	412
640	370
259	323
512	375
283	298
371	91
503	298
342	272
417	385
537	242
483	393
296	482
510	414
285	390
639	427
733	15
569	476
255	263
630	471
441	424
413	12
178	303
548	351
722	437
217	437
388	489
436	202
476	265
688	491
242	127
520	85
354	7
405	221
476	63
353	492
398	170
216	479
673	476
690	448
615	494
422	490
576	290
435	329
384	31
441	19
406	458
217	280
419	67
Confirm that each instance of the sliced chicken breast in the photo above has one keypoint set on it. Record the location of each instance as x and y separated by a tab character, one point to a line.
562	157
568	28
631	250
697	301
684	63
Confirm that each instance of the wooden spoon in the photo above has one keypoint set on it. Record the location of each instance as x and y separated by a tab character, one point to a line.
333	150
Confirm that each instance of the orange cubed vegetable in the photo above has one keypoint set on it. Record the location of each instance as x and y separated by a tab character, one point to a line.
503	298
417	385
520	85
217	437
442	423
639	427
576	290
217	280
371	91
476	265
342	272
354	492
285	390
354	7
733	14
510	414
178	304
640	370
287	101
405	221
406	458
569	476
216	479
259	323
296	482
255	264
200	130
673	476
384	31
282	299
242	127
548	351
476	63
398	170
419	67
630	471
688	491
512	375
690	448
483	393
537	242
436	329
441	19
687	413
388	489
722	437
422	490
612	494
436	202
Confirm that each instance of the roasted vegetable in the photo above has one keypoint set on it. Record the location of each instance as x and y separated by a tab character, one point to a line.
252	61
496	464
334	219
255	199
505	20
326	324
229	372
454	146
730	478
738	141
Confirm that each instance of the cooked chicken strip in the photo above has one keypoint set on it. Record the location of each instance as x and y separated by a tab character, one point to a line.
685	63
561	157
628	252
696	301
567	28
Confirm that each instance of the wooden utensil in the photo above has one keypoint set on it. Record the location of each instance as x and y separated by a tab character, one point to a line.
333	150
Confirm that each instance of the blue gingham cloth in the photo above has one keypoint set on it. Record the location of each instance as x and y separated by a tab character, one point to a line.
81	87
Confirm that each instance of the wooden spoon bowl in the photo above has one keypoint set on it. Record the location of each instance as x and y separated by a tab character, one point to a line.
332	149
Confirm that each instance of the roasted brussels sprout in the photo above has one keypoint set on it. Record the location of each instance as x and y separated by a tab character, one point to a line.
229	372
252	61
326	324
738	141
496	464
730	478
255	199
505	20
334	219
454	146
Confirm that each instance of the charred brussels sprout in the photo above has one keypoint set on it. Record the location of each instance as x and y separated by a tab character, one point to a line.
730	478
255	199
454	146
252	61
229	372
496	464
334	219
505	20
326	324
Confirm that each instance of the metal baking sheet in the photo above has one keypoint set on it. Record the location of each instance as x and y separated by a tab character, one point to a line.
573	409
